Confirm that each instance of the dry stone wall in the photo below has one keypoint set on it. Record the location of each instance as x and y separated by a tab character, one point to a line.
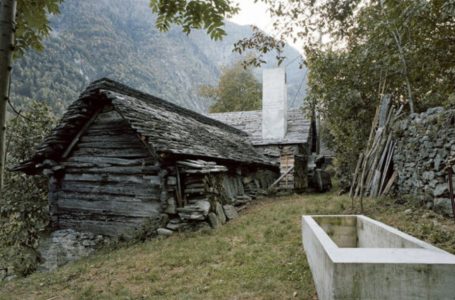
425	142
66	245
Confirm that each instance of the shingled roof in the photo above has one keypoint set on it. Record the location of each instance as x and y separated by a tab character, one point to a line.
166	128
298	130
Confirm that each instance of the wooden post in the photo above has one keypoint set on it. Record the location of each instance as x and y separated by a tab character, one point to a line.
7	29
281	177
178	192
452	200
286	177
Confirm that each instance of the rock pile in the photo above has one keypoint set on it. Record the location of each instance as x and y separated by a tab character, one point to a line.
426	142
203	194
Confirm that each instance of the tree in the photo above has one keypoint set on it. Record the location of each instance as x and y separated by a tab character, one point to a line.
237	90
7	28
398	48
401	38
357	50
24	206
194	14
32	27
345	97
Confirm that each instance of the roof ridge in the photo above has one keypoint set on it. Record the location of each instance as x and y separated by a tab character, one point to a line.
191	134
251	111
120	88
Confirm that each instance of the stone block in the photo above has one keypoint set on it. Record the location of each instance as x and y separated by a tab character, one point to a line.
220	213
428	176
434	110
444	206
230	212
213	220
195	211
164	231
441	189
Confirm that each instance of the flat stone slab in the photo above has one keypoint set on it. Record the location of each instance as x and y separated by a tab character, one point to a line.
230	212
355	257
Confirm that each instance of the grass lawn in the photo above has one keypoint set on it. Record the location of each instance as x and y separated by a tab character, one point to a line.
257	256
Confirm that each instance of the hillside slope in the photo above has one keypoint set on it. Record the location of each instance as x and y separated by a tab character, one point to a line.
118	39
257	256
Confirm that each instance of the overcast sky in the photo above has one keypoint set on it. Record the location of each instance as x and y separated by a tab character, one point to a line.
253	13
256	14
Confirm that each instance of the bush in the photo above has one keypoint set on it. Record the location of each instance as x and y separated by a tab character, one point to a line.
23	202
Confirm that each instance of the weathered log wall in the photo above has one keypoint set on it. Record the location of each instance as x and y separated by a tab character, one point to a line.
120	158
111	185
285	155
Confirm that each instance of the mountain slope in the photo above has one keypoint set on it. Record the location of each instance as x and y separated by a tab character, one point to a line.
118	39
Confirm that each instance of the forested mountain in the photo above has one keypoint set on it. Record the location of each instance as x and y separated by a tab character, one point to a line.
118	39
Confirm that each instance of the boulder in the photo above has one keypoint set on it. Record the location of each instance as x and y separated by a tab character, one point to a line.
230	212
164	231
201	226
195	211
213	220
177	226
428	176
441	189
444	206
220	212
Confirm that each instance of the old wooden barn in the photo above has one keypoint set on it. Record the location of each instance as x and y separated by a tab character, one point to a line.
120	159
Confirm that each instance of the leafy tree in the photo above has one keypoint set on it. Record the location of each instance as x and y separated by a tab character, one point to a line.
398	48
23	202
7	19
32	27
358	50
345	98
237	90
32	23
194	14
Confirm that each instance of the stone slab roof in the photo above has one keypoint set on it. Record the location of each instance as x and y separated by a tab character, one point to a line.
166	127
298	131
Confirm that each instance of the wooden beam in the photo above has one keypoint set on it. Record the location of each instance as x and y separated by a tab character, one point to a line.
281	177
390	183
80	133
178	191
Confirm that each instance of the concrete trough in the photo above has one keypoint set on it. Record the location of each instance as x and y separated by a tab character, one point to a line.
355	257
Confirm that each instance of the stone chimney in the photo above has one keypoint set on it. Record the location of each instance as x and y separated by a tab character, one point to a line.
274	104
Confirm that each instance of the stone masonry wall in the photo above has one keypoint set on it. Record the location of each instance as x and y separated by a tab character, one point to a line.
425	142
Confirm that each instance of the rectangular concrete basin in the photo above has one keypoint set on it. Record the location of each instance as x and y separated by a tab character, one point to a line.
355	257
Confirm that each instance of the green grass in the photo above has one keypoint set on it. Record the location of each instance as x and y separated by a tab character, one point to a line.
257	256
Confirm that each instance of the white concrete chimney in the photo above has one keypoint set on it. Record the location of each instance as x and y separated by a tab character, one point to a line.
274	104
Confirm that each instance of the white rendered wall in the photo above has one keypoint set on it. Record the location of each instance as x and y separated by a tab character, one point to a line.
274	104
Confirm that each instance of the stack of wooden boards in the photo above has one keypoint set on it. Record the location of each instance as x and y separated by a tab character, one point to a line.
374	175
